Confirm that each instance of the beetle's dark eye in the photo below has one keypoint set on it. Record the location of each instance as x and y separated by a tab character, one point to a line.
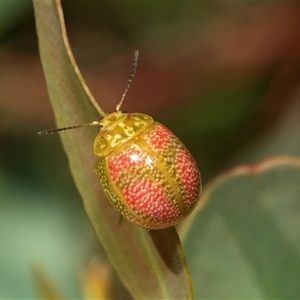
99	127
124	111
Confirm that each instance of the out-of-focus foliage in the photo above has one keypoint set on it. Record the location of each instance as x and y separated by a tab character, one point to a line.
12	13
224	77
246	240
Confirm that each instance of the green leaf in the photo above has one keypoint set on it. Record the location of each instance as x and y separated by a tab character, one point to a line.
150	264
245	243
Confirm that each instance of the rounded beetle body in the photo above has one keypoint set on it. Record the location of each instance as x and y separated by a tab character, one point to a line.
146	172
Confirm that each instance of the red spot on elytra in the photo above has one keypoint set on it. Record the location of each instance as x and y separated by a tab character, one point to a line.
129	159
189	176
159	137
149	197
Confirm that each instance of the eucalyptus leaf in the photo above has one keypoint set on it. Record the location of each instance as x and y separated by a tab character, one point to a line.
150	264
245	242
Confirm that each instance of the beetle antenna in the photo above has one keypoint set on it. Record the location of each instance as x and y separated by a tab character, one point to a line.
51	131
133	70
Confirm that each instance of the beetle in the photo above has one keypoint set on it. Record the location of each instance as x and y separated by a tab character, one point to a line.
146	172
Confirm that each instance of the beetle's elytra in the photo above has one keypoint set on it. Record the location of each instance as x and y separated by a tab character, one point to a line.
146	172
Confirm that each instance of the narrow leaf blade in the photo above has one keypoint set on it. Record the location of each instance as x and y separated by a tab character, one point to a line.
151	265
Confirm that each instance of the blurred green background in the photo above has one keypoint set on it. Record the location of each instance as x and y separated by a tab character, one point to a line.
224	77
